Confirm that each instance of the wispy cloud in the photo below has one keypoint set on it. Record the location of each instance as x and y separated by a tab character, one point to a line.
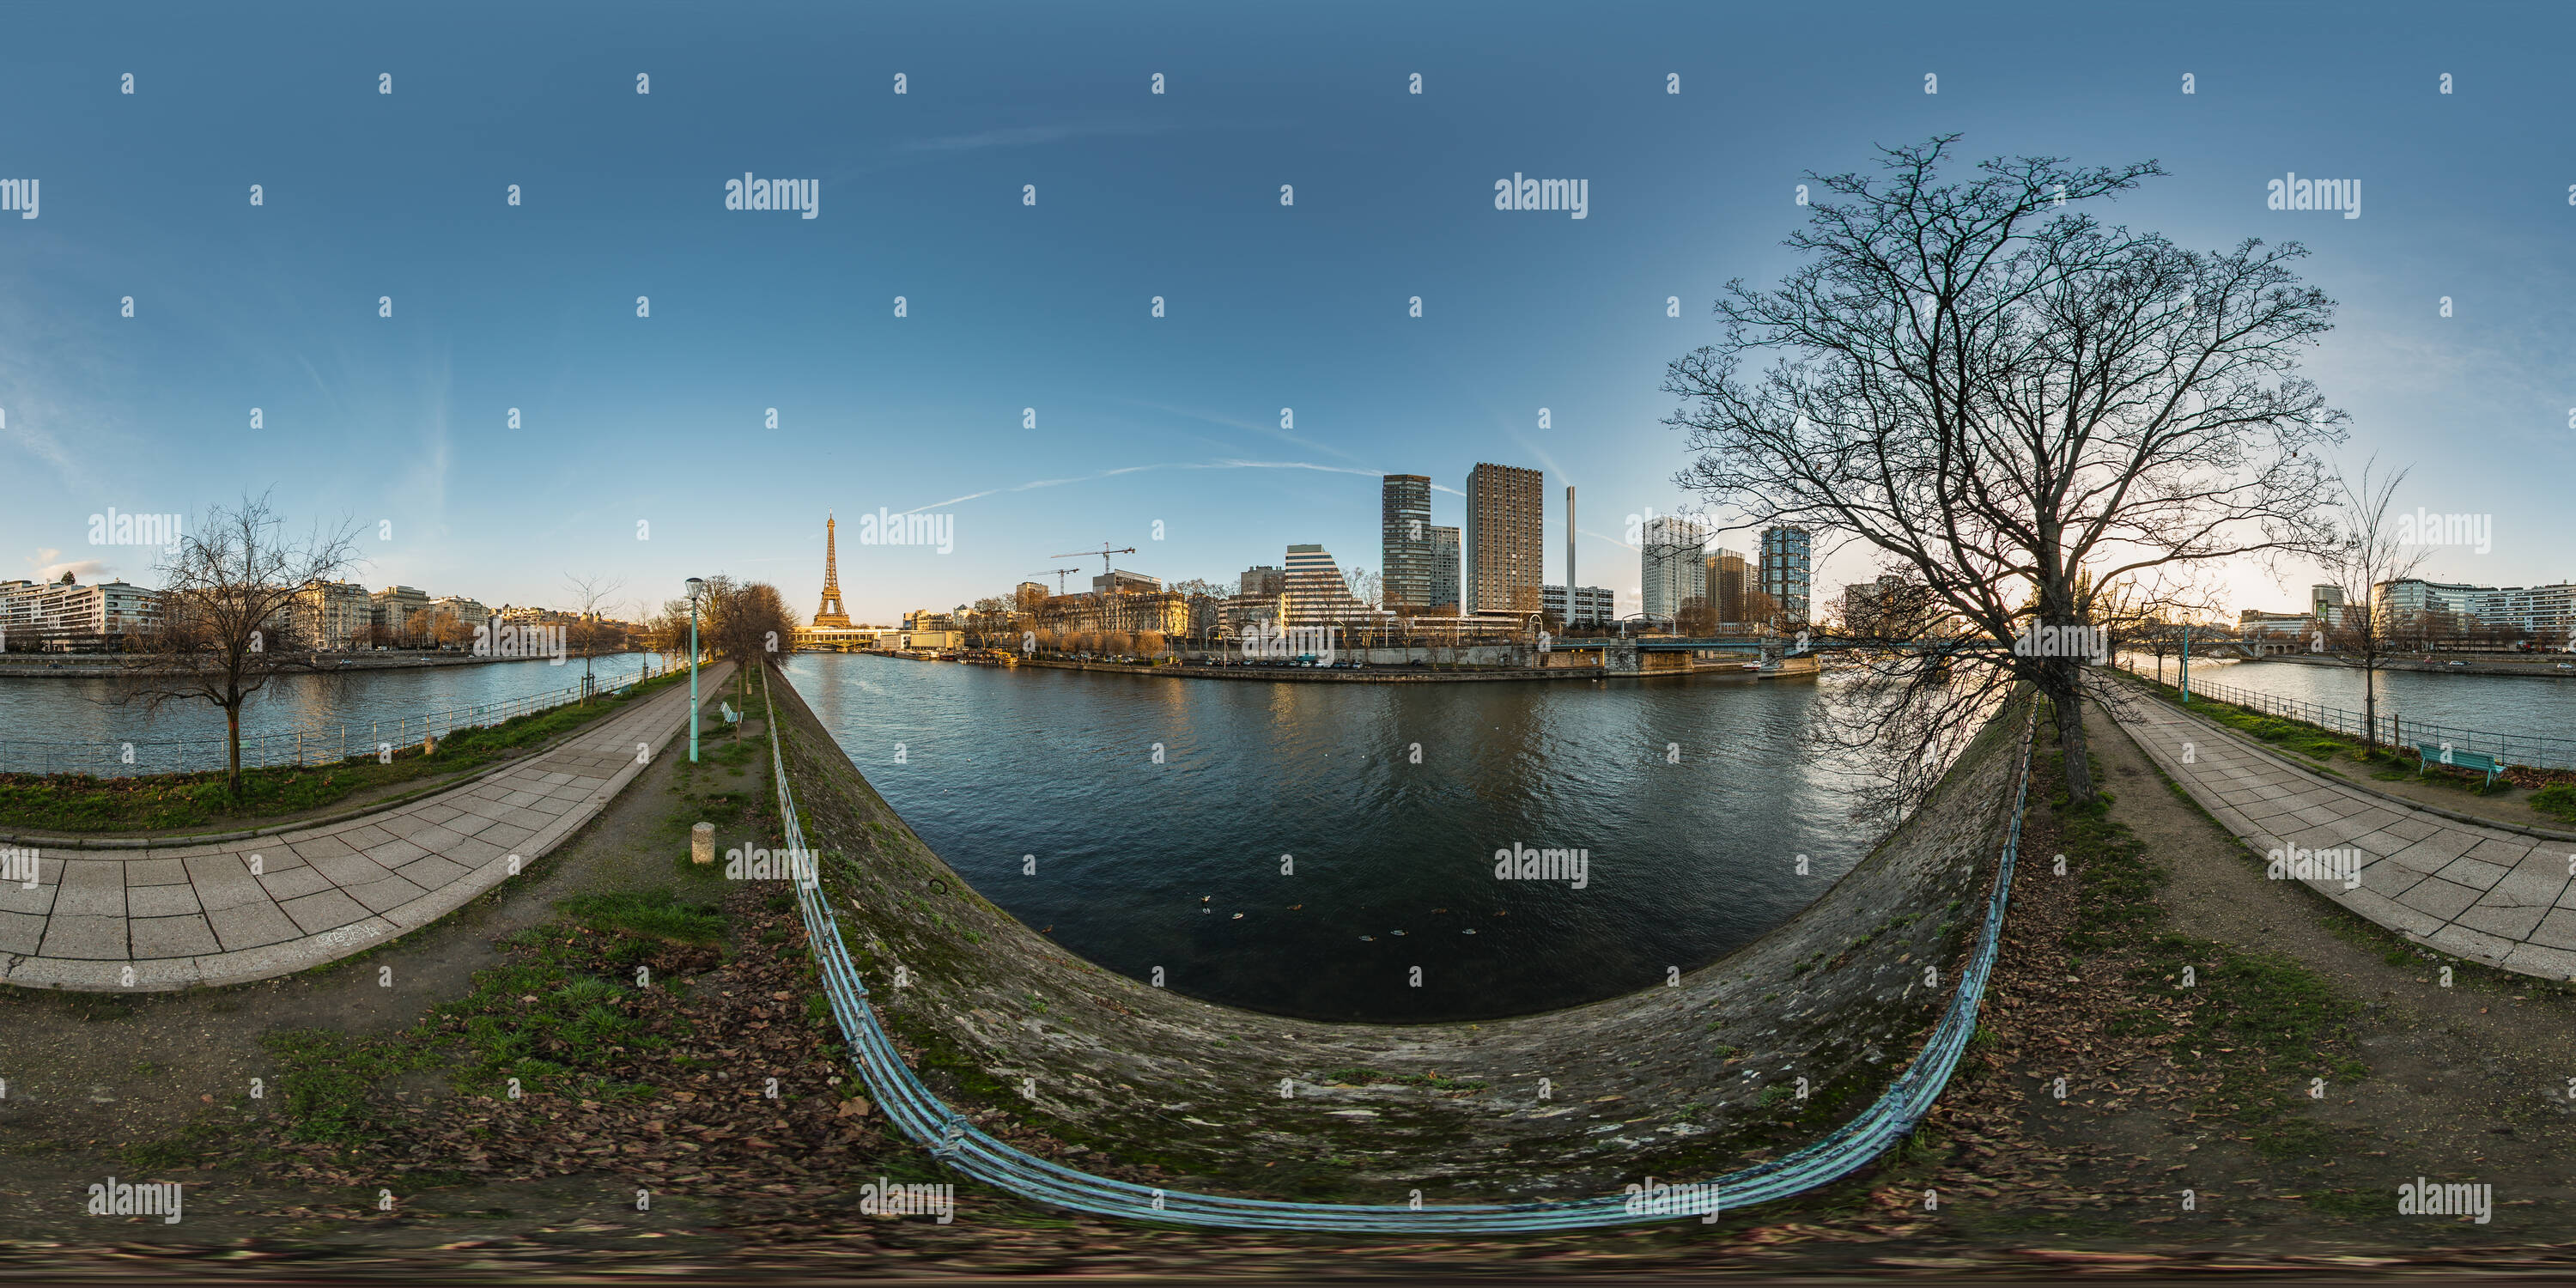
1027	136
1138	469
1252	427
50	566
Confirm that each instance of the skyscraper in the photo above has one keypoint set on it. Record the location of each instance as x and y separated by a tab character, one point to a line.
1405	522
1727	575
1444	571
1672	571
1317	595
1784	573
1505	560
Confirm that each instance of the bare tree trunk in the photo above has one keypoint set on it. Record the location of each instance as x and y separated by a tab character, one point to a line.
2065	691
232	723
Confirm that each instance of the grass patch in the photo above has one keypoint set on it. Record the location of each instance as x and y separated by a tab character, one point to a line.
559	1010
2557	800
649	914
2264	1022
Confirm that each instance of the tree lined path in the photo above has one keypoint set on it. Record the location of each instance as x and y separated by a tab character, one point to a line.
199	914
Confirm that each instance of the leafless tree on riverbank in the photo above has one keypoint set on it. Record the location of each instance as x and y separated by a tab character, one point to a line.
1999	394
2363	552
229	619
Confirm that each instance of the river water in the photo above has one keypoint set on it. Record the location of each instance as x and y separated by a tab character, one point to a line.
1303	808
2535	716
60	724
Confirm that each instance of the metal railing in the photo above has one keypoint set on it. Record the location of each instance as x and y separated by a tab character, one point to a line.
318	743
921	1115
2536	751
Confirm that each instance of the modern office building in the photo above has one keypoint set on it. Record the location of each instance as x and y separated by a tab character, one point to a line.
1405	529
1444	570
68	615
2548	612
2254	623
1503	544
1317	595
1728	578
1261	581
2325	603
1672	570
1591	605
1783	574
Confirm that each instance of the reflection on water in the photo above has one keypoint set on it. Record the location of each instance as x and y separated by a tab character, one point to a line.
1354	826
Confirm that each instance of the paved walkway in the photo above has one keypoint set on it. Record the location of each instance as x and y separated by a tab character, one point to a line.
2482	893
237	911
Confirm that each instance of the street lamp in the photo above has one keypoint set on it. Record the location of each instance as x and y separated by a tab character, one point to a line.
697	587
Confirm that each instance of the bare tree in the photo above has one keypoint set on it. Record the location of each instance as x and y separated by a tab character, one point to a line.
228	615
588	593
1996	392
2362	554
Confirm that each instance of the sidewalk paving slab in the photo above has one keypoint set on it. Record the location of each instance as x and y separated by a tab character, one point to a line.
2487	894
199	915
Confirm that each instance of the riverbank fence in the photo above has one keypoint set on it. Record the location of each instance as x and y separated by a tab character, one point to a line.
2393	727
320	742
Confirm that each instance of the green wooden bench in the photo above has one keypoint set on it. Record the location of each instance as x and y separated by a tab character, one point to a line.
2444	754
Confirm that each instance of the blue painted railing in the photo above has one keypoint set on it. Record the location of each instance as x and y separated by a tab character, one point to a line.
921	1115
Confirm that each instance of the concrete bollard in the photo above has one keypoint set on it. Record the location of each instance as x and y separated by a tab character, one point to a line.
702	843
429	745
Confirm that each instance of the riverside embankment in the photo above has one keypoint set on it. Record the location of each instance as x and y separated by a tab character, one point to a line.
1112	1074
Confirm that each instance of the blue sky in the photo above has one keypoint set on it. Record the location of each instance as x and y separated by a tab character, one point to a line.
662	420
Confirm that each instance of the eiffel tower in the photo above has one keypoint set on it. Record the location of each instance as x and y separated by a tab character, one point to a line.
830	614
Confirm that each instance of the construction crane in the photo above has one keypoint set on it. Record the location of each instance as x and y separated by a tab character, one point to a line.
1106	570
1059	577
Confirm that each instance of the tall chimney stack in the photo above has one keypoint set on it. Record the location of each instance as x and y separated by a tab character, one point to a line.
1569	554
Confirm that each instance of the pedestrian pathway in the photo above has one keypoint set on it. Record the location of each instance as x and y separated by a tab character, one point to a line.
2483	893
236	911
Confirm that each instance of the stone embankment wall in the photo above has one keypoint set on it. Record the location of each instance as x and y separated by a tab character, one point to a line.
1678	1082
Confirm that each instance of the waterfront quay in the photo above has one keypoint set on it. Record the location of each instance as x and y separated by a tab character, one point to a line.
1383	666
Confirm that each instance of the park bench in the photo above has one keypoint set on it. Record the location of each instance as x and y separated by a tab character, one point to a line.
2441	754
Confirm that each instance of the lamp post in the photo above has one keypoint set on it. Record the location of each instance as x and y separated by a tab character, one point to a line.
697	587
